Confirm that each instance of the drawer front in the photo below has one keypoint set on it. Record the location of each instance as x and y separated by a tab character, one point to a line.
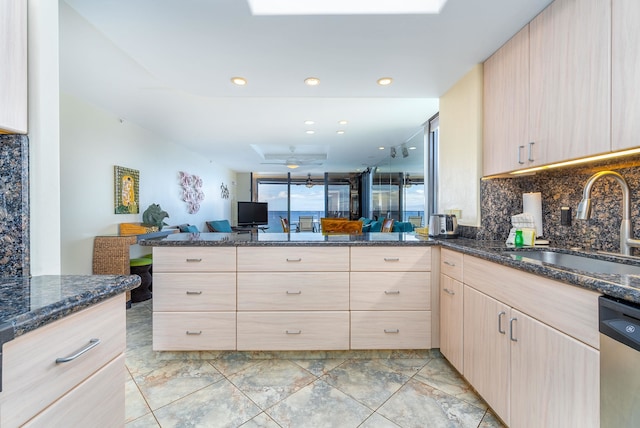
451	264
32	379
391	330
293	259
194	259
98	400
293	291
194	331
287	331
199	292
390	291
367	259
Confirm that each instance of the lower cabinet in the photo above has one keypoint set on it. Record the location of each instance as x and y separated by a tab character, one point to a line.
451	325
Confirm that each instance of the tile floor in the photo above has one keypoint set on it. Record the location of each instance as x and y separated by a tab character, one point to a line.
289	389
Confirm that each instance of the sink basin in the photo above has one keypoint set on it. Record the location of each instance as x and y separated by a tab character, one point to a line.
573	261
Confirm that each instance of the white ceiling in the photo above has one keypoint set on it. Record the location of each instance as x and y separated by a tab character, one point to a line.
166	65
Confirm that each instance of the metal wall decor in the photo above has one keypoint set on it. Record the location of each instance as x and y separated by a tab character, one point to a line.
192	192
224	191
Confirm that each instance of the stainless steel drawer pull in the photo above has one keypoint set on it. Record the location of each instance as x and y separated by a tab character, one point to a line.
392	292
511	329
520	161
451	292
394	331
530	158
449	263
391	259
194	260
92	344
500	315
293	331
194	292
294	292
294	260
194	333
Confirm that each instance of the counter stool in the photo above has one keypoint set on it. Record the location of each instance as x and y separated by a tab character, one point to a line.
140	267
150	257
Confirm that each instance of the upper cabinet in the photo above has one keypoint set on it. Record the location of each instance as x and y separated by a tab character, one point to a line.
625	57
13	63
547	90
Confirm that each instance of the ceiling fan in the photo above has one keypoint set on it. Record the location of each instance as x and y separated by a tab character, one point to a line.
293	160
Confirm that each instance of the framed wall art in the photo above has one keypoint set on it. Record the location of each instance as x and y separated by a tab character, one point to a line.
127	190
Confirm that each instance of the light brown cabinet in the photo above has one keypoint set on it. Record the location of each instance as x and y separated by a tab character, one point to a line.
13	63
625	63
451	307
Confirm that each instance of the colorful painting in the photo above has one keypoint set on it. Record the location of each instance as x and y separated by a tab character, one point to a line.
127	190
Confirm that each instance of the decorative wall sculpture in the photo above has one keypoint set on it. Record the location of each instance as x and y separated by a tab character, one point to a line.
126	190
192	192
224	191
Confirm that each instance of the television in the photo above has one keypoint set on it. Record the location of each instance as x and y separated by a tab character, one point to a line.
253	213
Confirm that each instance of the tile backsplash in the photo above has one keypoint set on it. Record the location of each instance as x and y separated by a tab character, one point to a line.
14	206
502	197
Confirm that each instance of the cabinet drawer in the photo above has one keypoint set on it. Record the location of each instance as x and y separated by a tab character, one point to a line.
31	377
390	291
200	292
391	330
368	259
194	259
451	264
194	331
293	259
286	331
98	400
293	291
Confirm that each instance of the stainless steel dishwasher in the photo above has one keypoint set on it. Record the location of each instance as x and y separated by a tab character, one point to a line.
619	363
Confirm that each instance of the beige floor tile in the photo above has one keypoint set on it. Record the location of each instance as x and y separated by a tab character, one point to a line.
135	404
146	421
319	367
261	421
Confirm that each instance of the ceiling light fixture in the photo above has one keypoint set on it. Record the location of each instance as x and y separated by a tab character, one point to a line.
393	152
312	81
412	147
342	122
340	132
381	148
292	165
405	152
309	122
345	7
239	81
309	182
385	81
310	131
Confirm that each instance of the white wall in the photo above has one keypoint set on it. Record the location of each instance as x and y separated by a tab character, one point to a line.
460	147
92	141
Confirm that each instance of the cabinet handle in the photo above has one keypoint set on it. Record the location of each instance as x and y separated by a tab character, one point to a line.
392	292
500	330
294	292
293	331
451	292
194	260
92	344
449	263
511	329
391	259
520	161
194	292
194	333
294	260
392	331
531	151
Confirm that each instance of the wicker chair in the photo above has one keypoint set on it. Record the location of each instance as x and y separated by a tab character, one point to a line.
111	256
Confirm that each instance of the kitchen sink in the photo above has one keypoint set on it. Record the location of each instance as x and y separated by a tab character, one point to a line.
574	261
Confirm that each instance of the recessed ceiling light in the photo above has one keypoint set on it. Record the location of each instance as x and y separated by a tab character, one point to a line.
340	132
310	131
240	81
309	122
312	81
384	81
342	122
345	7
412	147
381	148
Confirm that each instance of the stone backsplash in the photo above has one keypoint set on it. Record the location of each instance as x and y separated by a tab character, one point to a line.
14	206
502	197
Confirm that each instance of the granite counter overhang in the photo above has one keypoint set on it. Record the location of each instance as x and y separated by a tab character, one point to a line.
621	286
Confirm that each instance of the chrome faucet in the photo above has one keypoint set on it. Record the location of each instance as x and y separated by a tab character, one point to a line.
584	209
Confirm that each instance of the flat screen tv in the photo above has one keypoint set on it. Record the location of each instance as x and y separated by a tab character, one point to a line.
253	213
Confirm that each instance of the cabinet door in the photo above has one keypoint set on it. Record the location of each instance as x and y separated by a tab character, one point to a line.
451	317
625	57
506	106
555	379
13	63
486	349
570	80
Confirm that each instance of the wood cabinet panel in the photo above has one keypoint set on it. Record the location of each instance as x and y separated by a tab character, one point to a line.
194	331
13	63
389	291
391	258
288	331
293	259
390	329
451	321
194	259
451	264
194	292
293	291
